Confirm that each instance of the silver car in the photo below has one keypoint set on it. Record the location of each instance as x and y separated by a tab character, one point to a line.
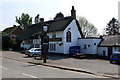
33	52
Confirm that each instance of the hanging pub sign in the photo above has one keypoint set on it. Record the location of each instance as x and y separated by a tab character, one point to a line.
45	27
55	39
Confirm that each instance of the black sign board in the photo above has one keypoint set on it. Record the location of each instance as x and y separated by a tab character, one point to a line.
55	39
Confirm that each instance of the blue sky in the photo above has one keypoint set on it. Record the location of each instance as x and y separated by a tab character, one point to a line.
98	12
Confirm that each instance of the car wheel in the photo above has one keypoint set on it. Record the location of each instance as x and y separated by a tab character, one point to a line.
111	61
33	55
29	56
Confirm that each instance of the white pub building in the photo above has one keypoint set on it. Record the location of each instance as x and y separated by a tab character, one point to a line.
64	33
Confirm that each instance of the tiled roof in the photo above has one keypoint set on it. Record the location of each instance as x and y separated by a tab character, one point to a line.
10	29
54	25
111	40
15	30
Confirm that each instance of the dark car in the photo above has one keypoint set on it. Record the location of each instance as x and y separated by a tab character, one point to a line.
115	57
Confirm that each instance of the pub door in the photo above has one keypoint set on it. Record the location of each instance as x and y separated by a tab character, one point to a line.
109	51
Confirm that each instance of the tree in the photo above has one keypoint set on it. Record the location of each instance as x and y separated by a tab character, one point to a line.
112	27
5	41
88	29
13	43
59	15
37	19
24	21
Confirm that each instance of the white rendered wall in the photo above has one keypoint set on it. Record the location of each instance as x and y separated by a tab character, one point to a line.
64	48
27	46
92	49
116	49
101	49
59	34
75	34
36	41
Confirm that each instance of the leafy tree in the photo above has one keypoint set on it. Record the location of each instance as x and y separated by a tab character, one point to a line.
59	15
112	27
37	19
13	43
25	20
3	34
88	29
8	42
5	41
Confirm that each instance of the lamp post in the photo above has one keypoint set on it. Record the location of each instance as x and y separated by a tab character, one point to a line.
45	42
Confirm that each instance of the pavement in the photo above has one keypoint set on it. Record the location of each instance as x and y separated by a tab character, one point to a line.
93	66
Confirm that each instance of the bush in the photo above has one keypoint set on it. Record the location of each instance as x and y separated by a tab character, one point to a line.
5	42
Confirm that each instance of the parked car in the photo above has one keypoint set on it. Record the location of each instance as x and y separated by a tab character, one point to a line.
33	52
115	57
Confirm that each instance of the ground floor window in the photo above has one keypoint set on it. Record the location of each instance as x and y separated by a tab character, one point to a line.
119	49
85	46
116	49
37	45
52	47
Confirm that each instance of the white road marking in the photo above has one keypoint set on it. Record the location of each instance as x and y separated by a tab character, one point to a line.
29	75
3	67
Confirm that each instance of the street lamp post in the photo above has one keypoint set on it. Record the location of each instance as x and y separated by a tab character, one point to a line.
45	42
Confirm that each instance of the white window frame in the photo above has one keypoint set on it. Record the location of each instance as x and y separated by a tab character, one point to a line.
52	47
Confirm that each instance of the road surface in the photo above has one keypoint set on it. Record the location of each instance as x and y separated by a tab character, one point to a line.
18	69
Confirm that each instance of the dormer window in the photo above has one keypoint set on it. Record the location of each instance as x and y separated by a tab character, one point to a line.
68	36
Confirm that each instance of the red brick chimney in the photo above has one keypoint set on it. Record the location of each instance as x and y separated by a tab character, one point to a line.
41	19
73	12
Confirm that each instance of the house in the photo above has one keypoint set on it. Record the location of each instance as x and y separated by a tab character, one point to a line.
15	30
89	45
104	46
66	32
63	33
109	45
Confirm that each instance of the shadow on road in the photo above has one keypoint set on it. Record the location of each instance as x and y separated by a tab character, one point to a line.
91	57
58	56
27	56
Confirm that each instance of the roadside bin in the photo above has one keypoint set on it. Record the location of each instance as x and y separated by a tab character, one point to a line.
73	50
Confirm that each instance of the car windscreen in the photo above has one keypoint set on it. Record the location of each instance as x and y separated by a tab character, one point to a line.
37	49
117	55
31	49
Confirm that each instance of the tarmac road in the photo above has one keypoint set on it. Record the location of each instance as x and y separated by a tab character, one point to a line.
17	69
